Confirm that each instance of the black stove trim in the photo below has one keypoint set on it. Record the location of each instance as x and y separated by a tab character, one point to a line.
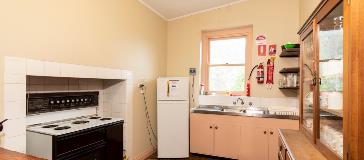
34	100
97	145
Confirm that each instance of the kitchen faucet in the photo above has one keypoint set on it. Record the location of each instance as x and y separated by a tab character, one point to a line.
237	100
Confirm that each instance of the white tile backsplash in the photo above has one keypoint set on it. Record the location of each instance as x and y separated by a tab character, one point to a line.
15	66
13	92
256	101
14	127
35	67
15	79
13	110
17	143
52	69
117	107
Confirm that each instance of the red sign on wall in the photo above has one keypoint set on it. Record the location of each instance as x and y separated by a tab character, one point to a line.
272	49
262	50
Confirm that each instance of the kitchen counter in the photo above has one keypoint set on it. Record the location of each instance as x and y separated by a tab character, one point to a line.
7	155
292	117
299	146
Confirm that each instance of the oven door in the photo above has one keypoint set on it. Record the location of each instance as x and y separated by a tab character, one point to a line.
98	152
79	144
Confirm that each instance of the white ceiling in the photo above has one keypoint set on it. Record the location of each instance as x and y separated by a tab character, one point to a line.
174	9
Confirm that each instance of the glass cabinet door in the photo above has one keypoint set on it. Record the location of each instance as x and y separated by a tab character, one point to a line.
307	83
330	36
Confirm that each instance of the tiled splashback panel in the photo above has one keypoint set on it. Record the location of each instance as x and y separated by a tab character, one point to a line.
27	75
255	101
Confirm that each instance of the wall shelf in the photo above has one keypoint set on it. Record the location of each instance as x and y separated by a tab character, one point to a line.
333	111
290	54
290	70
293	88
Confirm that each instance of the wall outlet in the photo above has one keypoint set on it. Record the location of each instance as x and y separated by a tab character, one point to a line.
141	83
192	71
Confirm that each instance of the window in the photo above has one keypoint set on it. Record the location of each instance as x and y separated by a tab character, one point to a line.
224	55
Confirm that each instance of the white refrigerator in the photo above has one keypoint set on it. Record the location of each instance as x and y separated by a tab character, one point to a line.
173	117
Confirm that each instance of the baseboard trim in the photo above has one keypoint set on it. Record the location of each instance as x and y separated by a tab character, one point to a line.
144	155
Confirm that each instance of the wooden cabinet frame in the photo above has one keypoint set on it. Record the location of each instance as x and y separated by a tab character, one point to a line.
311	26
353	78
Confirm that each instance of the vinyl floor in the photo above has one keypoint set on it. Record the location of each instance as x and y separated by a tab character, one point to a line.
192	157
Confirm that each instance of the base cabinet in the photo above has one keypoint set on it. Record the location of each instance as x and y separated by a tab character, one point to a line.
202	135
259	143
226	140
212	136
254	144
244	138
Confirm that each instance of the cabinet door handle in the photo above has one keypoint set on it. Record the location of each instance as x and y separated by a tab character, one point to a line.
271	133
216	127
265	132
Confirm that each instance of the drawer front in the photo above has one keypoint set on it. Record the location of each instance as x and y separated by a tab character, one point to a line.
78	142
282	153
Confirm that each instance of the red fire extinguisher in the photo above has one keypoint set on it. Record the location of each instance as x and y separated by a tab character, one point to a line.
270	71
248	88
260	74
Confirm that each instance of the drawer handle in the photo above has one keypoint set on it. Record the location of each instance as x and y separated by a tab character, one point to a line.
271	133
210	127
265	132
216	127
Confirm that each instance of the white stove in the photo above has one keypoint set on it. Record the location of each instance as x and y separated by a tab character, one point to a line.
88	137
71	125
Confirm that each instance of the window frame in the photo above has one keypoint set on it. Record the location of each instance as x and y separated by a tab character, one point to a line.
208	36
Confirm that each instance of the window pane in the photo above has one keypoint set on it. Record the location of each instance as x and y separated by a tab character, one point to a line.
227	51
227	78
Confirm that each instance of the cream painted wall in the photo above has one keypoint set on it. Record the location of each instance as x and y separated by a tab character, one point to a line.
113	33
306	9
278	20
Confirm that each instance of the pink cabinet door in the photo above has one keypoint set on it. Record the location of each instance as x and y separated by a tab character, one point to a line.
201	134
227	140
254	143
273	144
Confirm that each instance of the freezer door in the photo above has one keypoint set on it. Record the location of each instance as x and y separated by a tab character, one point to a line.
173	129
173	88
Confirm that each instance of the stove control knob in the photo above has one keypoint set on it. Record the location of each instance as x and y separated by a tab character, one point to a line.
58	101
63	101
68	101
52	102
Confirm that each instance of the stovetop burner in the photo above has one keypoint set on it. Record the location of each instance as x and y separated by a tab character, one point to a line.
80	122
95	117
50	126
62	128
103	119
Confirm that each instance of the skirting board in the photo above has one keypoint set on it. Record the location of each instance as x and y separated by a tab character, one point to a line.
147	153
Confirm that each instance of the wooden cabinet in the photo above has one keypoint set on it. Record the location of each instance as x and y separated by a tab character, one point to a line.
213	136
255	144
201	134
323	71
236	137
259	143
227	138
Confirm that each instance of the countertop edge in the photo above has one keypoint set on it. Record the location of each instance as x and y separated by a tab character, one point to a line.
298	140
281	136
288	117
